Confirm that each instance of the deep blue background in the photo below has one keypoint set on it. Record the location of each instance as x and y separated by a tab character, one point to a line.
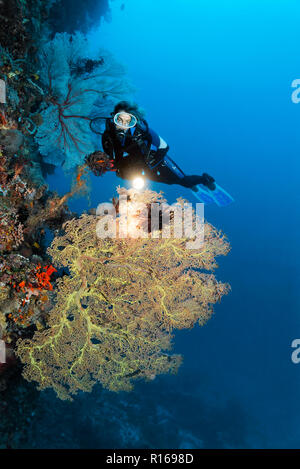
215	80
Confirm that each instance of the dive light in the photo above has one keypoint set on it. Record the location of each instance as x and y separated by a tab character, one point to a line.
138	183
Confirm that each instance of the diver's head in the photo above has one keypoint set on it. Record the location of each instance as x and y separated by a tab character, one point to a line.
129	108
124	120
125	116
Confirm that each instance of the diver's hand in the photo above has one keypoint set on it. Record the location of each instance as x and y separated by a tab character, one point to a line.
208	181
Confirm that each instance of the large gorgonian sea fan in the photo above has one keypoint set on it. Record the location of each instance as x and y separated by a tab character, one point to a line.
79	82
114	313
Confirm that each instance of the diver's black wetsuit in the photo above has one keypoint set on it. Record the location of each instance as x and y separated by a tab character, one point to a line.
141	151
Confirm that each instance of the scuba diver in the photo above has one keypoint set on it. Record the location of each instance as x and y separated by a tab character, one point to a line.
136	150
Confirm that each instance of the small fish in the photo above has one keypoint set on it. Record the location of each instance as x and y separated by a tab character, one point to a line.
36	245
122	6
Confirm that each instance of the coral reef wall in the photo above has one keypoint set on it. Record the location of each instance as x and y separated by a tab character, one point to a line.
27	208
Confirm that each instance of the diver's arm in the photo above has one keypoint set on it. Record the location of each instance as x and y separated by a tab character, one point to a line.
107	144
109	148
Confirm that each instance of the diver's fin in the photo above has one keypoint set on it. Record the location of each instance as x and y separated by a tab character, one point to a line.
203	196
219	196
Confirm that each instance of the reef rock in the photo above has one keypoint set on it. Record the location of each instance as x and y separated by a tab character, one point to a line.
11	140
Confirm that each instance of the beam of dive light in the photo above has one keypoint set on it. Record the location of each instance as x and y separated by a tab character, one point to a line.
138	183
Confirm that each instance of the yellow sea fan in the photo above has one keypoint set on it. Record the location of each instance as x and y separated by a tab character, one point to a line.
114	314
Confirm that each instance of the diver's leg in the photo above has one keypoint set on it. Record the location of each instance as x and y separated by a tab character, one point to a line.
163	174
166	171
170	173
190	181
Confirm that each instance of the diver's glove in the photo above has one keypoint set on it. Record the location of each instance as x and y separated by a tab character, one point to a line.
208	181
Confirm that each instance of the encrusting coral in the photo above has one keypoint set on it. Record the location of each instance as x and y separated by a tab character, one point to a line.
115	311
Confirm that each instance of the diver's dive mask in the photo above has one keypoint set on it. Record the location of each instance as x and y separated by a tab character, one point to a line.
124	121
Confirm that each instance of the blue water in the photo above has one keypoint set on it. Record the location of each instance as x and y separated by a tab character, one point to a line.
215	80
